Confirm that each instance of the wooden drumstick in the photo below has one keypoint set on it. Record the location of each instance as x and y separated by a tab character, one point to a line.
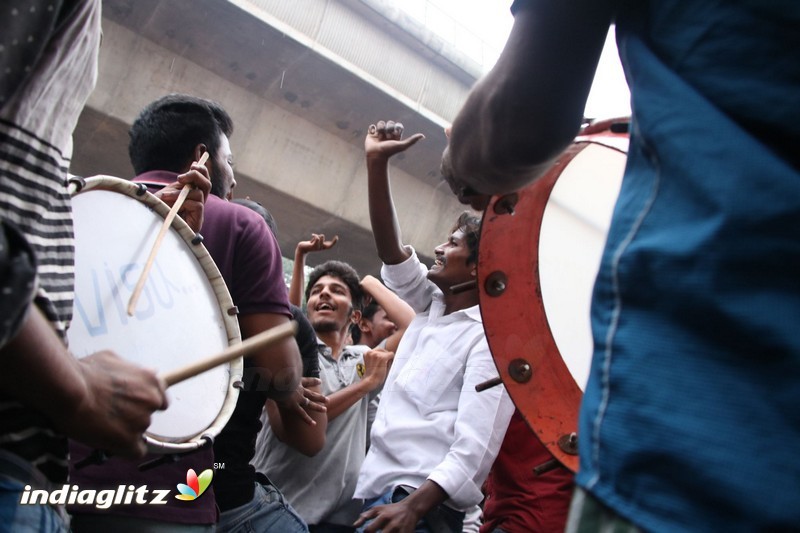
137	290
262	340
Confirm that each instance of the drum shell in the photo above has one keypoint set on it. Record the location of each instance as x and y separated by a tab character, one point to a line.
523	328
185	312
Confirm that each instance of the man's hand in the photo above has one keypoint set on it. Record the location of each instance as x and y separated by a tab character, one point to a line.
317	243
377	363
401	517
304	399
118	401
192	209
384	140
392	518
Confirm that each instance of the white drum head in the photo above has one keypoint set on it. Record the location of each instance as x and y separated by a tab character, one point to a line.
539	256
179	317
573	234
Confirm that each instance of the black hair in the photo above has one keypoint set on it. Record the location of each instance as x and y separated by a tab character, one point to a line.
342	271
370	309
471	226
355	334
166	132
261	210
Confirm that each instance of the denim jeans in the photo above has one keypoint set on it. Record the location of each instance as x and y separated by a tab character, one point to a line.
15	474
267	511
441	519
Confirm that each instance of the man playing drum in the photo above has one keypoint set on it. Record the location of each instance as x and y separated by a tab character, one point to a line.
166	138
47	394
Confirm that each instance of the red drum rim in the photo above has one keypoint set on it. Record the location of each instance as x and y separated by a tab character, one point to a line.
519	336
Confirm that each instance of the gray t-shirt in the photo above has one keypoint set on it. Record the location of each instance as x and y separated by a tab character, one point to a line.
320	488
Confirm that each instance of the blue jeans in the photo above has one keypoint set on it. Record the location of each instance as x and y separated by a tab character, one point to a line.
267	511
15	473
441	519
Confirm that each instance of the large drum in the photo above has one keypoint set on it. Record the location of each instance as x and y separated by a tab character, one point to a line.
185	312
539	256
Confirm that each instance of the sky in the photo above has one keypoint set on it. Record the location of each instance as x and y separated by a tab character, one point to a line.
480	28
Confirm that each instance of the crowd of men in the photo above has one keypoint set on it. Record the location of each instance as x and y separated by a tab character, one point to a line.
368	418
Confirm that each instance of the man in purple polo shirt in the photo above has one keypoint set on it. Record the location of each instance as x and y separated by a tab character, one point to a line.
166	138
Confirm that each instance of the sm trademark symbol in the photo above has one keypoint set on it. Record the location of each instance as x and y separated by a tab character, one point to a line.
219	466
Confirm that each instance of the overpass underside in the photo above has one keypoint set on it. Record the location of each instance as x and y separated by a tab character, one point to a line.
302	80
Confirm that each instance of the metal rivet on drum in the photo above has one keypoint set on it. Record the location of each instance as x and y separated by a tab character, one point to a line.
506	204
569	443
197	239
520	370
141	188
233	311
78	182
496	283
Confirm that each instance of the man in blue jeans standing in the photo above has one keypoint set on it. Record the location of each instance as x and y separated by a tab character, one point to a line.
434	438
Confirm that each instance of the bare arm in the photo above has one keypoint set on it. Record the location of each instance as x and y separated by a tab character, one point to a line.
377	363
397	310
382	142
298	423
315	244
528	108
278	366
100	400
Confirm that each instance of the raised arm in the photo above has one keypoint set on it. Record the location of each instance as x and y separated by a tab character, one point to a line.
397	310
315	244
529	107
382	142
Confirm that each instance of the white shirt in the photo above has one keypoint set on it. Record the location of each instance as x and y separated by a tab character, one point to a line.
431	424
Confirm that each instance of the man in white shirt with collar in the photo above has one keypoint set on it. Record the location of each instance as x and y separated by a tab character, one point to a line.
434	438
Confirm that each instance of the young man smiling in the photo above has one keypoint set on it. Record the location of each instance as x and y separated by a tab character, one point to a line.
321	488
434	438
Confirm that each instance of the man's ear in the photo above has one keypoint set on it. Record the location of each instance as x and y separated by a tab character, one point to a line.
355	316
199	150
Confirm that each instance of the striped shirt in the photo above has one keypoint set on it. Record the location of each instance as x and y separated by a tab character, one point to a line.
36	123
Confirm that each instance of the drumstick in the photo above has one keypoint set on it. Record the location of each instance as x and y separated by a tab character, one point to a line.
137	291
262	340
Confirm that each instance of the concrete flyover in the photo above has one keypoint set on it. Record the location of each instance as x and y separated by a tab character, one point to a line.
302	79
